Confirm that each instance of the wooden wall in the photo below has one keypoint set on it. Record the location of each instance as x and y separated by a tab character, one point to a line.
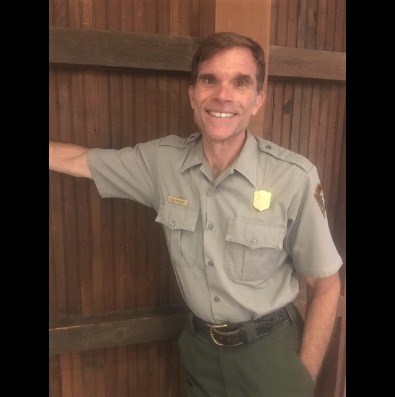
110	274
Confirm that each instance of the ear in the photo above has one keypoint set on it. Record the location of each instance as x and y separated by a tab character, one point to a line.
259	101
191	91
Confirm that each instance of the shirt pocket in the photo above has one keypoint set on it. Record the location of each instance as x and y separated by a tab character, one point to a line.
252	249
181	234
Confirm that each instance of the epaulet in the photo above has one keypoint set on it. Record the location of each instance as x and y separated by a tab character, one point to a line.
284	154
178	141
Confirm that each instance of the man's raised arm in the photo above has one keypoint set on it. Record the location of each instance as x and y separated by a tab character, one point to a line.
69	159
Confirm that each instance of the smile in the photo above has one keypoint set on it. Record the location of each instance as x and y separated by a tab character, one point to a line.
221	115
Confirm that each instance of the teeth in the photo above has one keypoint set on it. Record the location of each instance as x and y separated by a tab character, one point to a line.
222	115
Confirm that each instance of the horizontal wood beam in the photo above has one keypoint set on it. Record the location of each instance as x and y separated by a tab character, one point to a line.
116	329
101	48
297	63
77	333
120	50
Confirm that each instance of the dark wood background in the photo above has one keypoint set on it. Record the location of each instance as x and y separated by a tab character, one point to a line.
118	76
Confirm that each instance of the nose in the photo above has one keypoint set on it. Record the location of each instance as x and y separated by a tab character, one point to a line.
223	92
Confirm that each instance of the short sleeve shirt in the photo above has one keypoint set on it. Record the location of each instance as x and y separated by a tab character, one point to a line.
238	242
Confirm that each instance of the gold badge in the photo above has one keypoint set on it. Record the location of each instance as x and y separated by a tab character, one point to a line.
262	200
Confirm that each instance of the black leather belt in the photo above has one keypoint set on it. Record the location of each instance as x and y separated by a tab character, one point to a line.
235	334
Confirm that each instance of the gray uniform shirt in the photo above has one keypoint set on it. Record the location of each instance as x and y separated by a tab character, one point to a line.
236	253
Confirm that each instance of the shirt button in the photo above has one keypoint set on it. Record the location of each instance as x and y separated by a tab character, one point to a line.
253	241
216	299
210	263
268	147
210	226
173	224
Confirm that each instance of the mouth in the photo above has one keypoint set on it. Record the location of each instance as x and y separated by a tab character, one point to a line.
221	115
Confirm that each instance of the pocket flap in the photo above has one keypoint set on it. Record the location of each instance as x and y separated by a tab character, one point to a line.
255	233
175	217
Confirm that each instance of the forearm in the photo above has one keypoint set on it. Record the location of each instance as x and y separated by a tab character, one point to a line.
69	159
320	318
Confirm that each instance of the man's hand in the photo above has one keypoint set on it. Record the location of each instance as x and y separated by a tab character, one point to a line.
323	295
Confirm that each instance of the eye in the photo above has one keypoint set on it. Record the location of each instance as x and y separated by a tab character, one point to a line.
241	83
209	80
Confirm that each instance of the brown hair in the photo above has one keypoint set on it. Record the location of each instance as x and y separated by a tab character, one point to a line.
219	41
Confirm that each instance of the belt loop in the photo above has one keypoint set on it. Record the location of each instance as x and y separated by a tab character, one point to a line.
291	312
249	332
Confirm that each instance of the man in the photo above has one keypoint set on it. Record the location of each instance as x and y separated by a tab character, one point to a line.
243	219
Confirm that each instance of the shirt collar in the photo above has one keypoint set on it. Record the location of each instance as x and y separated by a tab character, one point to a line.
195	156
245	163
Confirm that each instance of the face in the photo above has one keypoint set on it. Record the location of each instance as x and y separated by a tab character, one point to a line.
225	95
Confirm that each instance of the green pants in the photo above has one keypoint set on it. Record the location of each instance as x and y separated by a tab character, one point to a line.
269	367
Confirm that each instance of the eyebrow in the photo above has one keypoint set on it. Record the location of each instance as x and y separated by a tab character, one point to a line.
245	77
206	75
239	76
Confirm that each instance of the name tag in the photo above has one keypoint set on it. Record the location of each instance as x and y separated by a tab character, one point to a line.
177	200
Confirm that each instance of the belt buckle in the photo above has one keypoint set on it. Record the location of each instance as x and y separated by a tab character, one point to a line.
214	328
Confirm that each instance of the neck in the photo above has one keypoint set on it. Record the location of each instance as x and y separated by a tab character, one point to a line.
221	154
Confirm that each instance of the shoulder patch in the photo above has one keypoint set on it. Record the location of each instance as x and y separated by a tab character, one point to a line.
285	154
178	141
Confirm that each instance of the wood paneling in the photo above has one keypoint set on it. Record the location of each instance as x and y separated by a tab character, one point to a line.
78	333
295	63
120	50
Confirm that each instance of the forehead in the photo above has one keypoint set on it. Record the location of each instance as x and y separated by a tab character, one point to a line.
230	61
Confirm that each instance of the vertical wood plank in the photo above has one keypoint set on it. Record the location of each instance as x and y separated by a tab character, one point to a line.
305	120
185	18
121	379
302	18
66	375
282	23
314	116
206	17
340	27
89	371
111	373
55	383
311	24
287	110
76	368
277	112
322	132
60	14
269	103
133	384
322	17
292	25
330	25
296	118
274	21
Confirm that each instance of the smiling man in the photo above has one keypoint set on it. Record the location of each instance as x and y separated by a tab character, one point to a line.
242	223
